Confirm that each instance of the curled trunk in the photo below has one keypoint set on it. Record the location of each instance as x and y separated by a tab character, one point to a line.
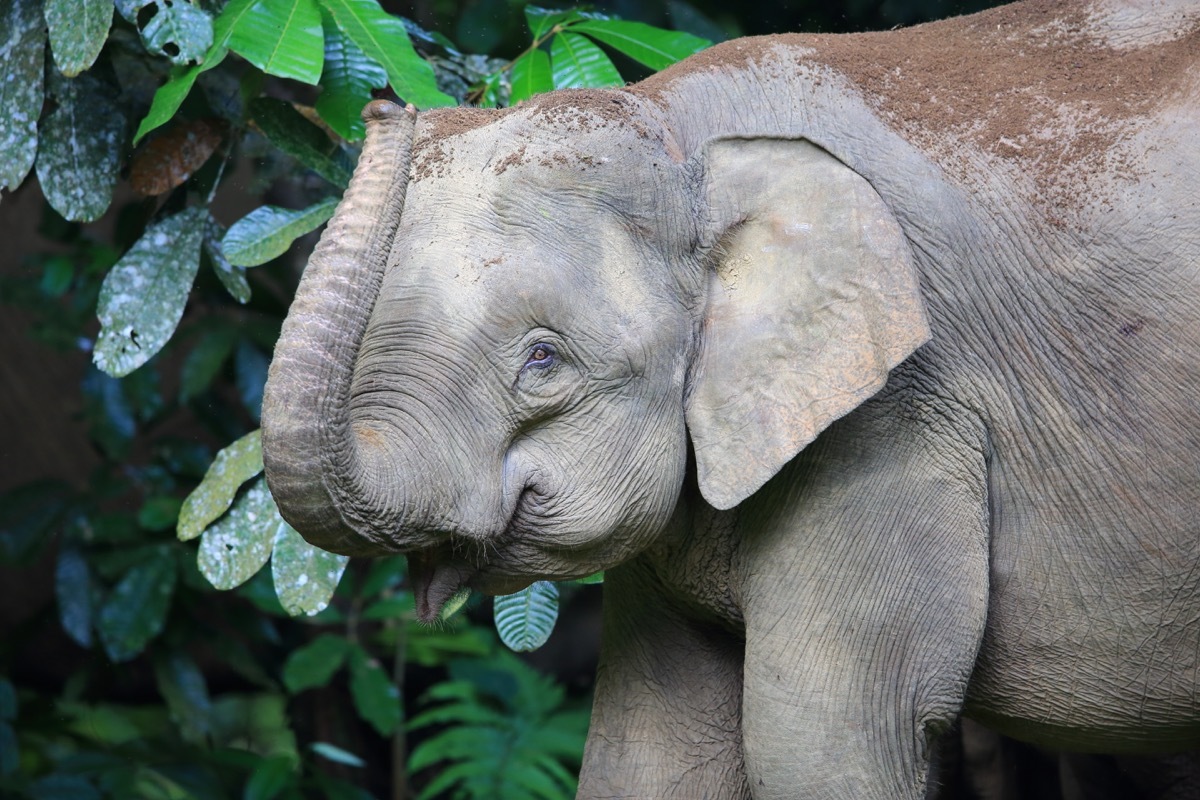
313	463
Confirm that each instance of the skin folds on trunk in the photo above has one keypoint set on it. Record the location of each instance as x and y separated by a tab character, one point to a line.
313	463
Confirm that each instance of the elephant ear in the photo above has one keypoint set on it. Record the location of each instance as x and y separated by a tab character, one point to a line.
812	299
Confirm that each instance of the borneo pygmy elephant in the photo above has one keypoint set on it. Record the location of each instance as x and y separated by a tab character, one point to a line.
867	366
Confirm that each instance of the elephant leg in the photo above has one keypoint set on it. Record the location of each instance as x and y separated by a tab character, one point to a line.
866	567
667	711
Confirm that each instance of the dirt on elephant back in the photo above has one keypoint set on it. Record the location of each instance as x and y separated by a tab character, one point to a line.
1031	82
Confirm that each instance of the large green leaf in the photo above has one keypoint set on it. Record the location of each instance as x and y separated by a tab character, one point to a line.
204	361
136	609
281	37
78	29
233	466
80	148
179	30
267	232
346	82
142	298
383	38
526	619
22	42
314	664
182	685
288	130
531	75
375	695
237	545
576	62
73	589
171	94
654	47
231	277
305	576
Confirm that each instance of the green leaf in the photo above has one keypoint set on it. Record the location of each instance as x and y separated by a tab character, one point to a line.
375	696
142	298
315	663
336	754
654	47
238	544
305	576
346	82
136	609
282	37
397	606
78	29
383	39
233	466
592	579
171	94
267	232
182	685
579	63
159	513
179	30
22	43
205	360
80	148
531	75
231	277
73	589
270	777
293	134
541	20
61	786
525	620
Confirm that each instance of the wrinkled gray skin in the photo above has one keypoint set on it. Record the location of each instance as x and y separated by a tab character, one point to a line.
939	387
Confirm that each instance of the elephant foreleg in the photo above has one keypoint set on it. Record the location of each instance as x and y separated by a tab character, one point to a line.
667	715
865	601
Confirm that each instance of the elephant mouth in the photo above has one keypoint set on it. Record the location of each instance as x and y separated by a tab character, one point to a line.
435	580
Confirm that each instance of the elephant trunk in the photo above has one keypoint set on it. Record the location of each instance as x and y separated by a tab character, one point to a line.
314	464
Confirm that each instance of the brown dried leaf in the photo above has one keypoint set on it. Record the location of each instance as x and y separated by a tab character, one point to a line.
171	157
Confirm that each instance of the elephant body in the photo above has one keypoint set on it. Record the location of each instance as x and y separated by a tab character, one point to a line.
866	366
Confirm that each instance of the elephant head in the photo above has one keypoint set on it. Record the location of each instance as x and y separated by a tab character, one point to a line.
517	320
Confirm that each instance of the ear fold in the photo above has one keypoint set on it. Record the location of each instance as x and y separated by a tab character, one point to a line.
813	298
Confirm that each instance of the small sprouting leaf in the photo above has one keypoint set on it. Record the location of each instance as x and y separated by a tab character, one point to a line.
346	82
525	619
78	29
383	38
22	43
282	37
205	360
136	609
174	155
336	754
288	130
576	62
182	685
80	148
237	545
179	30
531	75
541	20
305	576
375	695
267	232
654	47
233	466
142	298
315	663
171	94
73	588
231	277
270	777
592	579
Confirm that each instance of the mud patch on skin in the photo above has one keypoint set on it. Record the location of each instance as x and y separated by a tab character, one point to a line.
1034	83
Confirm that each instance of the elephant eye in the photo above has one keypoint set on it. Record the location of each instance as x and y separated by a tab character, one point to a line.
541	355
